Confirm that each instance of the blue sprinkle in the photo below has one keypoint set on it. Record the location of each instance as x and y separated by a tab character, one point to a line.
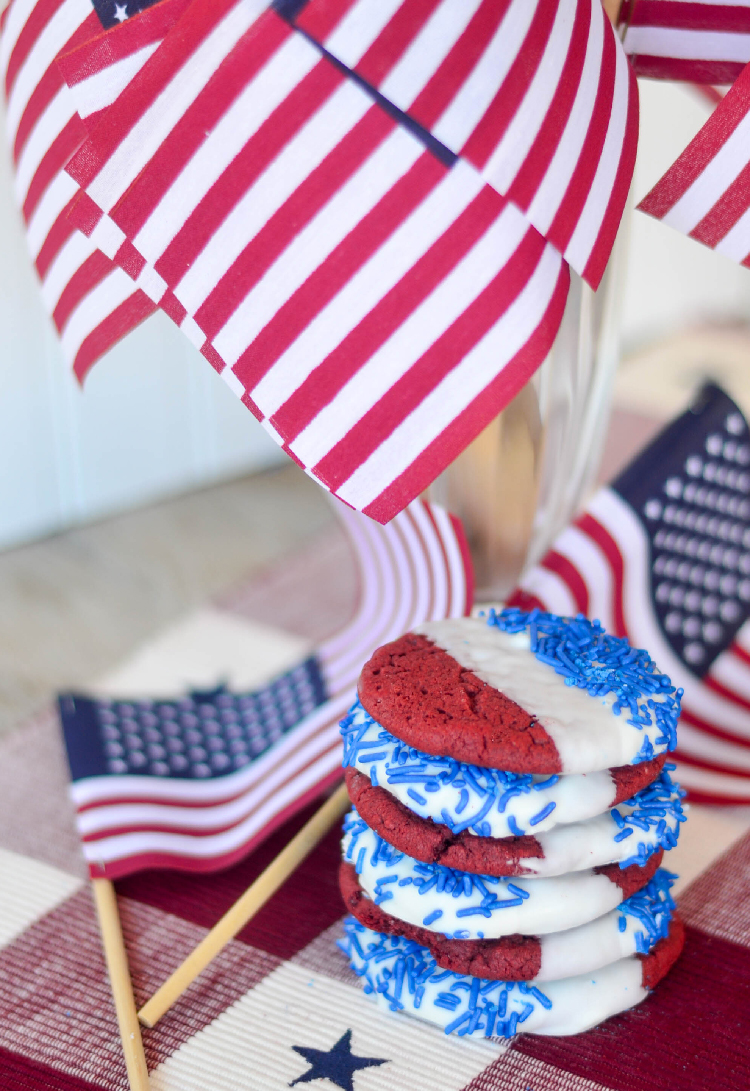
463	800
541	815
524	894
435	915
374	776
623	834
416	797
548	783
360	860
514	828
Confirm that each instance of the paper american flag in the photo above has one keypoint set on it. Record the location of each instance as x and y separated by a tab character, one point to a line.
375	256
195	783
662	556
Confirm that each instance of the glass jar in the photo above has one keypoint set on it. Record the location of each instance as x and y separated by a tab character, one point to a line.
525	476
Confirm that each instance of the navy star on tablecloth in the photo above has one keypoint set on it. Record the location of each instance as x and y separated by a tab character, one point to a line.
337	1064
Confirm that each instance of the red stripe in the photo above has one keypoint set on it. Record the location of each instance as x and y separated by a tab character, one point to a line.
457	66
328	279
172	307
94	269
195	26
569	212
144	28
84	213
691	71
394	39
219	364
324	383
200	118
292	217
731	206
701	150
677	15
247	166
124	318
589	525
42	12
537	162
569	574
740	652
130	260
476	416
319	17
56	238
64	144
506	103
710	799
605	240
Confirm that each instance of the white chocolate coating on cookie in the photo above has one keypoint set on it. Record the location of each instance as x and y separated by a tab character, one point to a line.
478	1008
588	735
575	797
468	906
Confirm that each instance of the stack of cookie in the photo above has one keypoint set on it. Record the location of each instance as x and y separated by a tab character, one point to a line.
511	809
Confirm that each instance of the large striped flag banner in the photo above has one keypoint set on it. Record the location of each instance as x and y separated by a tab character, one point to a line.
196	783
662	556
341	243
363	214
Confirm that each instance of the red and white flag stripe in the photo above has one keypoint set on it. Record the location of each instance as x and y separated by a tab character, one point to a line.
91	301
599	566
415	569
705	42
706	193
325	255
537	96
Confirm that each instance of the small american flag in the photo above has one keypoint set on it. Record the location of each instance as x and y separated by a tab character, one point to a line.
662	556
91	301
705	42
196	783
705	194
361	213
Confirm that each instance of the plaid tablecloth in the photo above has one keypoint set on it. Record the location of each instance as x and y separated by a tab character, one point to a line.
282	989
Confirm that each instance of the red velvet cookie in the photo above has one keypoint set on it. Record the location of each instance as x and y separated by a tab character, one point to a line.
520	958
552	853
522	693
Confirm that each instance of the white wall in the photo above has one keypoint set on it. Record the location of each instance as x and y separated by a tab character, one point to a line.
152	419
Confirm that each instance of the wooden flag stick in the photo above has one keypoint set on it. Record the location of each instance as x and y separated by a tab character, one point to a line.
105	900
246	907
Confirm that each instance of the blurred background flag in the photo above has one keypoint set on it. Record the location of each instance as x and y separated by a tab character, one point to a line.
91	301
195	783
662	556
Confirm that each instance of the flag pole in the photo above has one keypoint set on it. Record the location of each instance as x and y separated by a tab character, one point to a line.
246	907
105	900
